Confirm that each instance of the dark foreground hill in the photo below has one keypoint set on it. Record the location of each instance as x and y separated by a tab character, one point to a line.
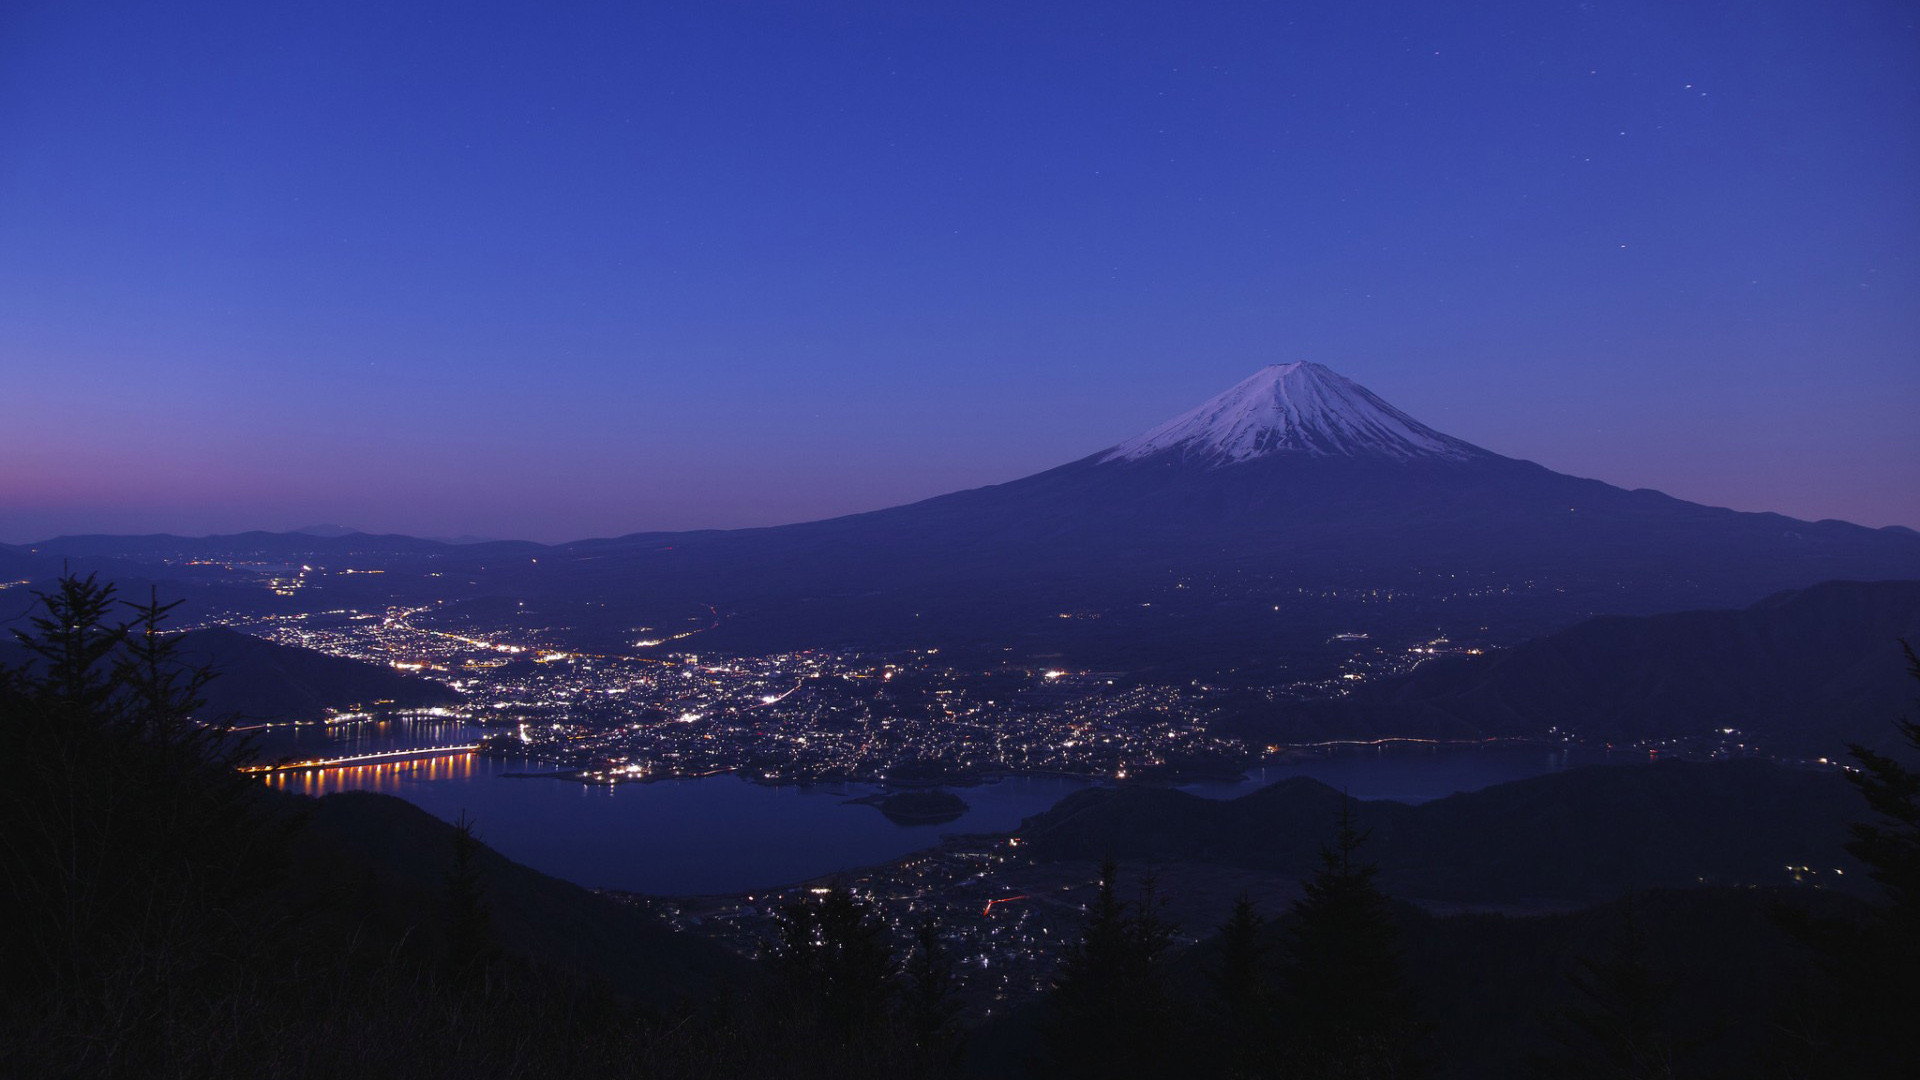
1579	837
1491	990
1710	925
175	917
382	863
1803	673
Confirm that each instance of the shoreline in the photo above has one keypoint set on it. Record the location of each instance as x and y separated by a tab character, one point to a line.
1284	754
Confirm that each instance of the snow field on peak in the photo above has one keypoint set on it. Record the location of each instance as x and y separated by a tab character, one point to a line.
1301	408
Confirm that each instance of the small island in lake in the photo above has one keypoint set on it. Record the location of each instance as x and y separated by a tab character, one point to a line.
917	807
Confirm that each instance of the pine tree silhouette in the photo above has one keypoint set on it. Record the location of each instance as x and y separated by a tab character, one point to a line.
1347	1003
72	639
1620	1028
1243	995
930	1002
1872	966
1109	1011
1891	846
469	941
833	951
162	694
130	845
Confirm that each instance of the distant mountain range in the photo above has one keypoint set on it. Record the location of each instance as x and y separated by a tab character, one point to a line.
1232	541
256	544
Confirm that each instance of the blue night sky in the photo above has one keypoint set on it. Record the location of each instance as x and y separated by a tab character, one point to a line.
556	270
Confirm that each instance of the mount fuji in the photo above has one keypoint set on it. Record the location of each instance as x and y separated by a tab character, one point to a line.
1299	408
1235	537
1256	536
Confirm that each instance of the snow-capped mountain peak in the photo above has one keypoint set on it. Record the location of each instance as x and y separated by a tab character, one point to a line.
1300	408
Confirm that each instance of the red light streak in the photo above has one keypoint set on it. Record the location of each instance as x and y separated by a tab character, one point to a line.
987	912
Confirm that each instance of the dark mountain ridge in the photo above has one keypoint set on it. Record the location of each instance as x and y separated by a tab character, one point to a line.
252	544
1563	839
375	862
1803	672
257	680
261	680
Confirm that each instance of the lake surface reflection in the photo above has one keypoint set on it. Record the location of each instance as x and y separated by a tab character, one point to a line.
721	834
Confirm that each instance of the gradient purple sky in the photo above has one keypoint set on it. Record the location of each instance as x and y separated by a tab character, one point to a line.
553	271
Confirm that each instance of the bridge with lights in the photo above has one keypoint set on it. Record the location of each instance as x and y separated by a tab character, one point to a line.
376	758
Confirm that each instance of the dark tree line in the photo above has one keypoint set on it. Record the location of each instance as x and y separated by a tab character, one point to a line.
845	996
1110	1010
1856	1018
132	842
1331	1001
1620	1027
1345	995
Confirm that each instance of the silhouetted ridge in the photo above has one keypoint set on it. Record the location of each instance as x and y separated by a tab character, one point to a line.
1806	671
1566	838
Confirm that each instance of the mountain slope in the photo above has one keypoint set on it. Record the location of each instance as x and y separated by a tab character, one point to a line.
384	860
1581	836
256	679
1222	541
259	680
1804	672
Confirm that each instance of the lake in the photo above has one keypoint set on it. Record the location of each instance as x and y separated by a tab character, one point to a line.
721	834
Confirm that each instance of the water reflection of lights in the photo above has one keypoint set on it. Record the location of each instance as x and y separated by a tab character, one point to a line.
389	776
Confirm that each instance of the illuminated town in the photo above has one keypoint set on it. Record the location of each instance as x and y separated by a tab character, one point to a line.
1002	918
903	717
